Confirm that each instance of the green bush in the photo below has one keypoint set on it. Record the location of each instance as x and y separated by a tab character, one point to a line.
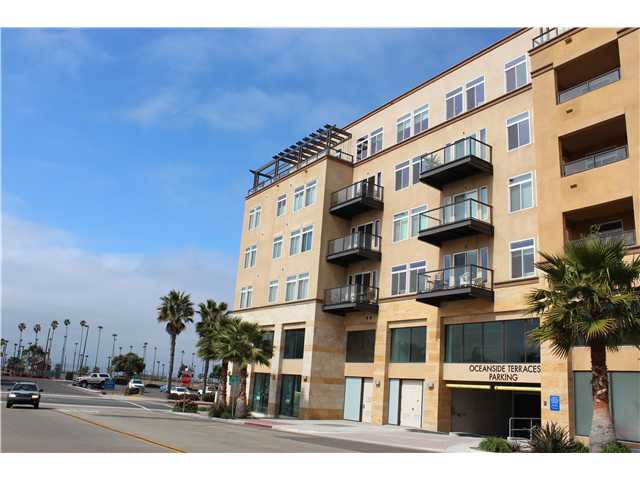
551	438
496	445
580	448
187	406
615	447
209	397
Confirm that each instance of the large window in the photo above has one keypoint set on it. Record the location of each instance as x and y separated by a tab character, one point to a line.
415	270
403	128
399	280
307	238
400	226
281	205
297	287
254	217
277	247
415	170
362	148
298	198
516	73
273	291
310	193
418	222
246	297
475	93
518	131
376	141
250	256
521	192
295	241
402	175
522	258
492	342
421	120
408	345
454	101
294	343
360	346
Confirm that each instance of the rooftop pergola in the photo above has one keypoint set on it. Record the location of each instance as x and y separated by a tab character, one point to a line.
315	145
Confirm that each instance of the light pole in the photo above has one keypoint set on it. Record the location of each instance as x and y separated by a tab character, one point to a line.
63	356
144	356
153	365
158	367
95	366
84	348
75	351
113	351
163	370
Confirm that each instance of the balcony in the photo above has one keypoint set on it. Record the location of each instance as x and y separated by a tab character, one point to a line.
627	237
356	198
548	34
456	283
351	298
595	160
589	85
353	248
456	220
462	159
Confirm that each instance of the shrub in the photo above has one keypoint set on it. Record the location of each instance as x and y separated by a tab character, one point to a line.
615	447
551	438
209	397
217	411
496	445
186	406
581	448
185	396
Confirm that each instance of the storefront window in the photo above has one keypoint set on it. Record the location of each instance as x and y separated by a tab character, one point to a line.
408	345
472	342
453	348
360	346
493	342
294	343
514	342
260	393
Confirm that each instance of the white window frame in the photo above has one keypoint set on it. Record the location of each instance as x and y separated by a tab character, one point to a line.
281	205
520	60
403	120
307	232
393	223
533	190
362	140
511	250
473	84
298	193
416	163
406	165
277	240
422	110
415	212
373	138
246	297
452	94
254	218
296	280
295	234
250	254
515	120
402	270
310	186
273	287
415	267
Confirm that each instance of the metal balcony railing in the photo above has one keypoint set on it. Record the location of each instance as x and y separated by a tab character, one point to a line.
547	34
355	293
454	278
589	85
454	212
595	160
465	147
356	240
627	237
362	189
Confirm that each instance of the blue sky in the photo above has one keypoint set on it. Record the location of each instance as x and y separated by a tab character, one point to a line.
125	153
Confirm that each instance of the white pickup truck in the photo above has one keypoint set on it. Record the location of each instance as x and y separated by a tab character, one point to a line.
93	379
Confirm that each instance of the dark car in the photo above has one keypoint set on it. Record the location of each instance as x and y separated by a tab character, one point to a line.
24	393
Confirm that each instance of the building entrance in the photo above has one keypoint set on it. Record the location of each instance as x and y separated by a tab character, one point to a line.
489	412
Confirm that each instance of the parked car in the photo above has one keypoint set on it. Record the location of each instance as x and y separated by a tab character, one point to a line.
24	393
135	385
210	389
164	388
94	380
180	390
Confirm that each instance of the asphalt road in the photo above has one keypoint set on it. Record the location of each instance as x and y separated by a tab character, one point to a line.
73	420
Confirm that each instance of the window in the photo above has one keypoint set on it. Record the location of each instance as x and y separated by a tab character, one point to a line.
421	120
475	93
521	192
281	205
376	141
268	337
399	280
294	343
415	170
408	345
277	247
362	148
310	193
250	256
402	175
418	222
403	128
246	294
415	270
454	103
522	259
307	237
254	217
400	226
298	198
518	131
295	241
360	346
297	287
492	342
516	73
273	291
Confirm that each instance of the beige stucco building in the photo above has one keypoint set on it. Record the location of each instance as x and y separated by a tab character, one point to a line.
391	257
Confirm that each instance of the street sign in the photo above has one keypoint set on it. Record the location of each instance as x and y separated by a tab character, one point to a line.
554	403
109	384
234	379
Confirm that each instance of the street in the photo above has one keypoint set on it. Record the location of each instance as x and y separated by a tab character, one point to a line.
71	419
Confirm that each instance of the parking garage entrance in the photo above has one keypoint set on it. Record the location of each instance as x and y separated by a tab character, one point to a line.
497	410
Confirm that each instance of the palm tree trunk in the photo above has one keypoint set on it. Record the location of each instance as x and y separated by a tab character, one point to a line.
241	402
222	386
602	429
171	355
204	383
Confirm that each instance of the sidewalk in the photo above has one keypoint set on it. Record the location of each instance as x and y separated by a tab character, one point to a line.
378	434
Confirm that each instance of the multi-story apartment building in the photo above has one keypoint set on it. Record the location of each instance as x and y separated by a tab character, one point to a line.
391	257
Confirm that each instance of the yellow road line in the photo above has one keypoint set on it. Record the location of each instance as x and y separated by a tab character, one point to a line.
133	435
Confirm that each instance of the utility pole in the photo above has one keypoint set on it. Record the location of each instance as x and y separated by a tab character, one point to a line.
95	367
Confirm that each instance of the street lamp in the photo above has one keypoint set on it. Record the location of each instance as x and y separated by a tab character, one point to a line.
95	366
144	356
153	364
113	351
75	351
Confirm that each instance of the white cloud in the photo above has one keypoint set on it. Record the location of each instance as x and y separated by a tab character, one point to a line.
47	276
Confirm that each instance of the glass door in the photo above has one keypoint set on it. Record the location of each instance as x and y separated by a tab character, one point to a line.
260	395
290	395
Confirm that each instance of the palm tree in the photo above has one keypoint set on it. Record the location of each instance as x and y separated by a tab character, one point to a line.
22	327
63	358
37	328
591	301
55	324
95	366
83	325
213	317
176	311
244	344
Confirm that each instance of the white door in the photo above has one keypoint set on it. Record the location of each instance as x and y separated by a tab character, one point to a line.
411	403
367	400
352	398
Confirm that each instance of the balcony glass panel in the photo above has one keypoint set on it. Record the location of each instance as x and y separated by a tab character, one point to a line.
454	278
363	189
356	240
358	294
595	160
590	85
469	146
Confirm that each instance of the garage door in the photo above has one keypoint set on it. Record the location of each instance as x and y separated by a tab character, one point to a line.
352	398
367	400
411	403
